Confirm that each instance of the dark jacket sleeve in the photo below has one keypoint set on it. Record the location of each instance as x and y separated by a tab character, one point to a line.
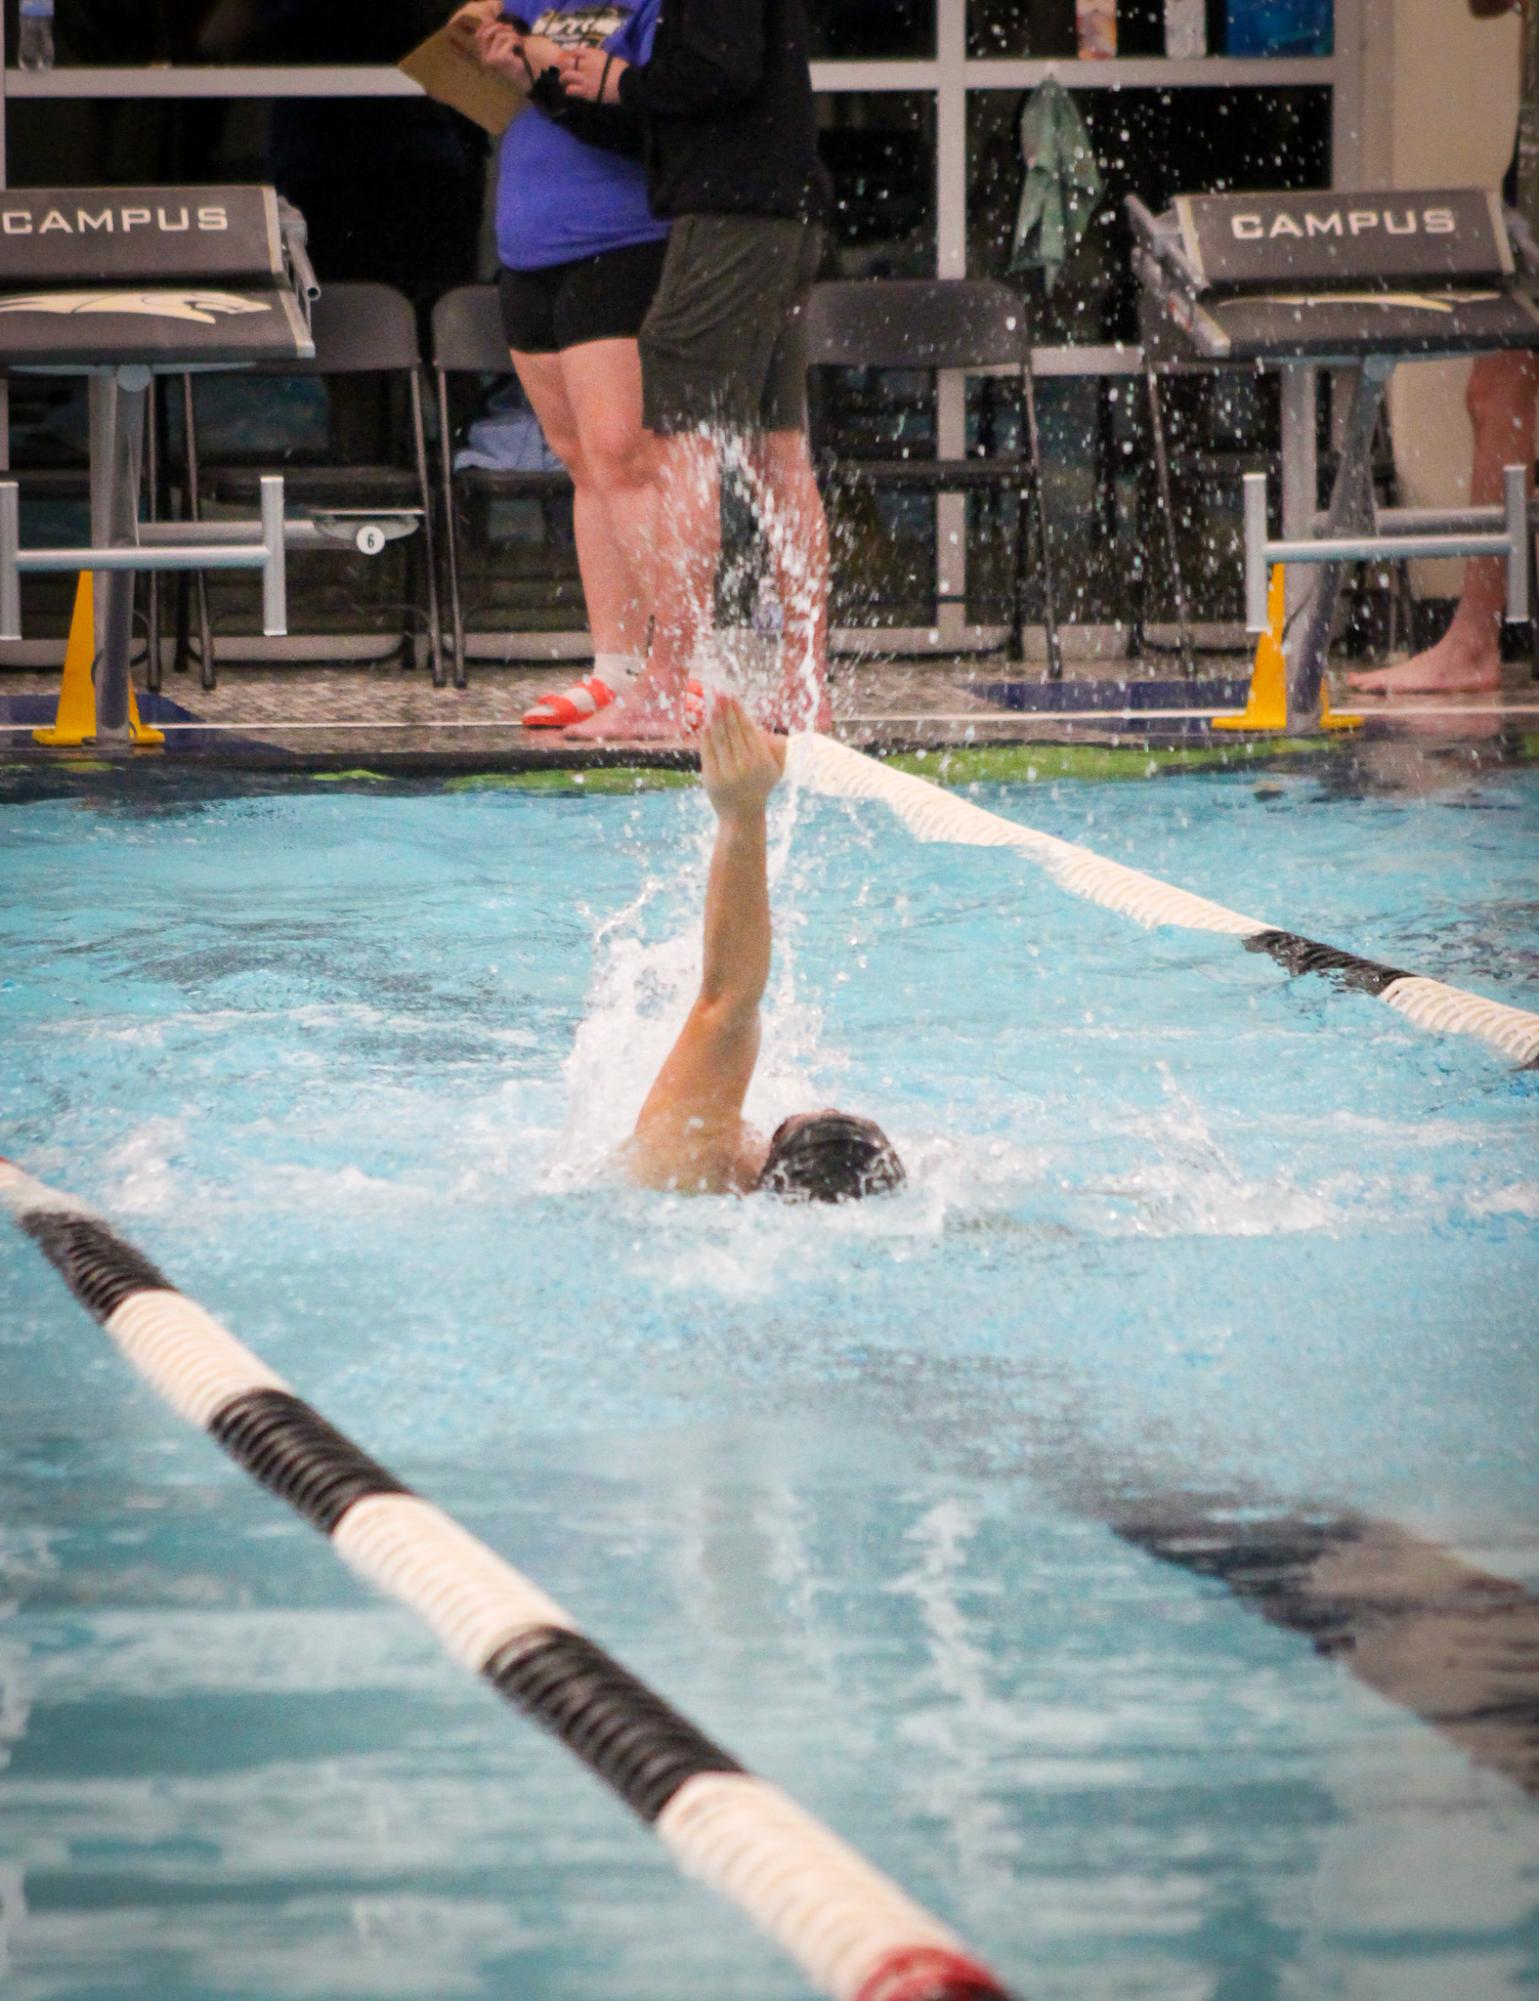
612	127
714	59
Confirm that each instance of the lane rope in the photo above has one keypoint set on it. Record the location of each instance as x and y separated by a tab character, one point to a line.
854	1933
933	814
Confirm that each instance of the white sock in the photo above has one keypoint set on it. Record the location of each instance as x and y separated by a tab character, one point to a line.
617	670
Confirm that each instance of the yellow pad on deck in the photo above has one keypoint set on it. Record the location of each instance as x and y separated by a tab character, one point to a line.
1267	705
74	720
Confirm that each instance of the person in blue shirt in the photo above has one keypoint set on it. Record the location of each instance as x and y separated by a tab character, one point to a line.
581	255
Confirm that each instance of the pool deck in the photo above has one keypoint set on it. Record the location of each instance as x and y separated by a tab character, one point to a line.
390	720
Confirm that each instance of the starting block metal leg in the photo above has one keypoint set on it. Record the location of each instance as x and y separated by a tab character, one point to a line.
1168	509
10	546
118	402
97	666
1307	655
1299	439
275	617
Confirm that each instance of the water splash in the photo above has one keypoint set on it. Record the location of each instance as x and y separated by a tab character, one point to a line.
647	962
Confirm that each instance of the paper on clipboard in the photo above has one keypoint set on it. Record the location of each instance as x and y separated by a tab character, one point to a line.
450	75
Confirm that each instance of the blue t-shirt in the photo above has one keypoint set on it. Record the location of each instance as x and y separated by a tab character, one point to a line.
559	198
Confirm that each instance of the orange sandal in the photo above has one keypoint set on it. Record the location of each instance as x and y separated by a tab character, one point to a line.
573	705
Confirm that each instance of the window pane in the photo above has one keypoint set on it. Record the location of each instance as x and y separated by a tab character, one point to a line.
875	29
321	31
1234	27
1106	530
1020	28
235	31
880	149
1152	143
331	156
1107	533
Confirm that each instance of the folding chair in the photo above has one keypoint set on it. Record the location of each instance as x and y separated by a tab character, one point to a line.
360	330
932	324
468	339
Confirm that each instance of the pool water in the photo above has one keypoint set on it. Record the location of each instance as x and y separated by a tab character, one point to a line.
845	1485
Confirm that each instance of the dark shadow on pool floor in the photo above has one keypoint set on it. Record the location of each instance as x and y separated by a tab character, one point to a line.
1455	1645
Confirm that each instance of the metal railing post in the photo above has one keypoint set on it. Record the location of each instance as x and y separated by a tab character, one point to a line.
275	609
1256	566
1515	493
10	548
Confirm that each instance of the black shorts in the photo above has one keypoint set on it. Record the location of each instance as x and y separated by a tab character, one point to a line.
593	298
726	339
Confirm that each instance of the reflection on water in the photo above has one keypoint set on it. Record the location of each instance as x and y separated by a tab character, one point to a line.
1087	1759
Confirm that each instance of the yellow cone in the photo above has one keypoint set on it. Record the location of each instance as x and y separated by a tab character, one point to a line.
1267	707
74	720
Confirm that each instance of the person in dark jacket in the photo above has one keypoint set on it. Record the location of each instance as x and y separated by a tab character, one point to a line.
730	135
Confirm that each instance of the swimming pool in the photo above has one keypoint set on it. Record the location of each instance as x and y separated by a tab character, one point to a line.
861	1491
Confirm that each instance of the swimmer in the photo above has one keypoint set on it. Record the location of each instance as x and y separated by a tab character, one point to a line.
691	1135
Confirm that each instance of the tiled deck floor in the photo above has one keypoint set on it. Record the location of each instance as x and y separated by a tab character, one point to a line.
383	715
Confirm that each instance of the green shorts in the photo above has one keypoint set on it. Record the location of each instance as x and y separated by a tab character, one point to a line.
725	341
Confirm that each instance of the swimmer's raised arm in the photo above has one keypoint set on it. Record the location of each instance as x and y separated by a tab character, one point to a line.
690	1133
741	765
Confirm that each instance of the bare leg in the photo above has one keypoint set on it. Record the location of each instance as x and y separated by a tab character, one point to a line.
1467	659
603	387
688	546
785	493
609	458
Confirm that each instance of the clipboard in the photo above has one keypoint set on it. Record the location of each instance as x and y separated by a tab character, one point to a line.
451	75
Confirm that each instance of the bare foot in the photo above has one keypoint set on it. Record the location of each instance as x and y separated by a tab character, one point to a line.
1460	664
642	713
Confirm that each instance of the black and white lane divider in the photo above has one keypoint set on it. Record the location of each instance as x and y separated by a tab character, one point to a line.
855	1934
932	814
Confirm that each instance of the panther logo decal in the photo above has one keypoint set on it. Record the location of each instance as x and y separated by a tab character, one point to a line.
203	309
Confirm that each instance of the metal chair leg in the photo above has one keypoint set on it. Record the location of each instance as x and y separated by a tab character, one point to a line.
451	542
1310	646
152	476
206	673
1168	509
429	539
1049	593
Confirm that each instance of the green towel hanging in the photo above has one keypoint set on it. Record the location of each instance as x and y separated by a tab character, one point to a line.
1063	184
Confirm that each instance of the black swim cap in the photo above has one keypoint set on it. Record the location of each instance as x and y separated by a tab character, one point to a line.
830	1157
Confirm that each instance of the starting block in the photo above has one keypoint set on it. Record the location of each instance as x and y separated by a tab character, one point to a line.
1356	283
119	285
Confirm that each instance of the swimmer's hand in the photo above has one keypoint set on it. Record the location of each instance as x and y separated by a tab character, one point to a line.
741	763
